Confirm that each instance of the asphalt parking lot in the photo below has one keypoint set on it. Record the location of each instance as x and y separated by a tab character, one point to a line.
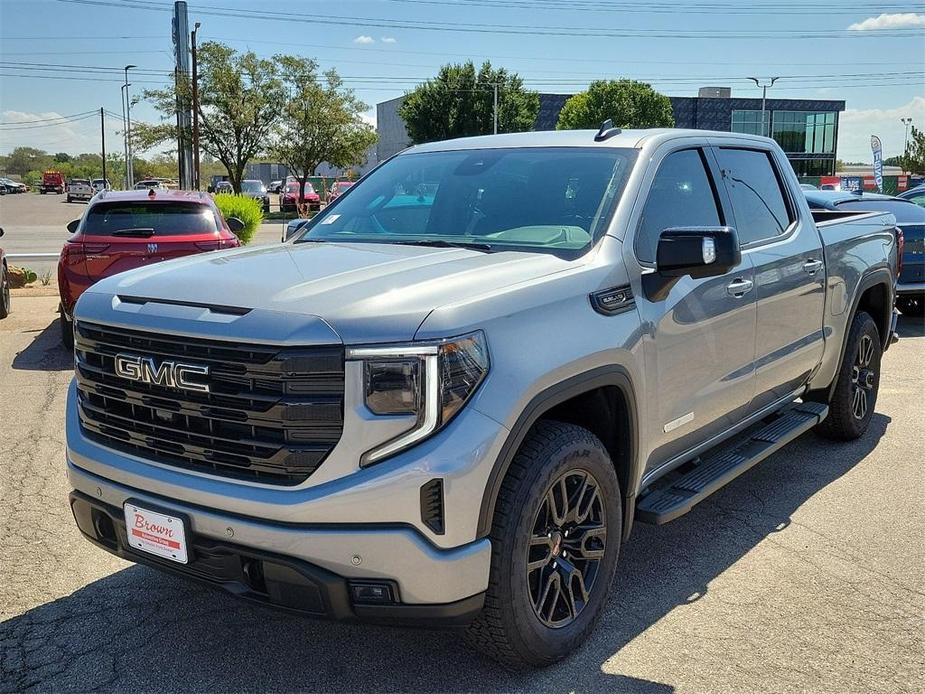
35	224
806	574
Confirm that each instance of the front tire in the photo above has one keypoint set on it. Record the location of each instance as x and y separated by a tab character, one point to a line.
857	383
4	293
555	542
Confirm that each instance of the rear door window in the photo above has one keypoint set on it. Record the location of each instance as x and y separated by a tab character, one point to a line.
756	193
154	218
681	195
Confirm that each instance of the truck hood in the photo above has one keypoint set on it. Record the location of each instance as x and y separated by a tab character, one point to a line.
366	292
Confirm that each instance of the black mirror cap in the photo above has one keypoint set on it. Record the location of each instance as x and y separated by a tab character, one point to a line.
1	231
72	226
697	251
235	224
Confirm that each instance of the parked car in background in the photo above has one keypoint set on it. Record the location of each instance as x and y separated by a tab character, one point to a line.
275	186
808	186
910	218
256	190
4	284
289	200
916	195
52	182
11	186
337	189
224	187
79	189
130	229
148	184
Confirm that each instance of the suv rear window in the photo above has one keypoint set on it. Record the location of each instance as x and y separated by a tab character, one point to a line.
149	219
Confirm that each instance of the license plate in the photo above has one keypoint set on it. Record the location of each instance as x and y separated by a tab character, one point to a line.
155	533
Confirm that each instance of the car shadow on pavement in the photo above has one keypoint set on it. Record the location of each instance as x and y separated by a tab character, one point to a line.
141	630
45	352
910	326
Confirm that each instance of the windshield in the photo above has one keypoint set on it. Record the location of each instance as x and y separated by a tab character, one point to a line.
294	188
906	212
543	199
252	187
149	219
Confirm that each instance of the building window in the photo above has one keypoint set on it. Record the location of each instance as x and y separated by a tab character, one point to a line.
814	166
748	122
804	132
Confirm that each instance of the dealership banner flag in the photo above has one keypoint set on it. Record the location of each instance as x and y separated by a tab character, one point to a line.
878	161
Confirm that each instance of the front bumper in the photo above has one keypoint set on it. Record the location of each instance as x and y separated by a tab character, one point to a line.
270	578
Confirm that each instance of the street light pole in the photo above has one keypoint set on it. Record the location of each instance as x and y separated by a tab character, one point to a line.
906	122
129	169
495	109
765	129
103	144
195	67
124	137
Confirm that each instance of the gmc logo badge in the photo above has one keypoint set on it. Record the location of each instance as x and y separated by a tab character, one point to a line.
168	373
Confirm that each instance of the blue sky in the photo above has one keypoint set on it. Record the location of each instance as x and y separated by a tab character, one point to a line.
869	53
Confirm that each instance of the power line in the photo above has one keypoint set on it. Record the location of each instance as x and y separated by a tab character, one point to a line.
44	120
525	30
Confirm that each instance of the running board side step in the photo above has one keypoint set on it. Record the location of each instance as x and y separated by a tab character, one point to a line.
723	464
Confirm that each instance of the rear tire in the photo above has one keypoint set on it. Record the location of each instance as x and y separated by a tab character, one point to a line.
67	330
4	293
857	383
557	528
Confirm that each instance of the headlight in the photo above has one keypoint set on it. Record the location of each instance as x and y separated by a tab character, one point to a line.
431	381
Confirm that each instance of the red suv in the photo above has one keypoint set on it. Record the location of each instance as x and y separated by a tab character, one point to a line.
130	229
289	200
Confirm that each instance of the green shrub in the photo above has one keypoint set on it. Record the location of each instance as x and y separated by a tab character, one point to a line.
247	210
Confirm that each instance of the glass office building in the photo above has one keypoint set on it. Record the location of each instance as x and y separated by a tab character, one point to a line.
801	134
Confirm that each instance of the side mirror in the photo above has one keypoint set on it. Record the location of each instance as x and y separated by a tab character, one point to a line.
72	226
293	228
235	224
697	251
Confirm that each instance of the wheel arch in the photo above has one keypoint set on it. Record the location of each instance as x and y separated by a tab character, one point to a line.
601	400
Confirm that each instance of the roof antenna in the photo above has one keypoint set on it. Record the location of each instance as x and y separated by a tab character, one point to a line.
607	131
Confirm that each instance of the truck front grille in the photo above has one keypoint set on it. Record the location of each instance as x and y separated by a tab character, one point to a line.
272	415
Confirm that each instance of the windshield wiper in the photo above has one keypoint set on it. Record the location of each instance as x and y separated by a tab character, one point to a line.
443	243
143	232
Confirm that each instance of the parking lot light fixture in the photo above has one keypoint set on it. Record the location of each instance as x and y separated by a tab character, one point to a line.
765	126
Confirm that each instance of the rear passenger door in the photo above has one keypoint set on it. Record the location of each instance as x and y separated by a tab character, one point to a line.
699	336
786	253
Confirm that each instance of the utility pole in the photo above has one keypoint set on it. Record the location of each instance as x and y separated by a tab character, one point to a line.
906	122
765	126
195	66
103	143
129	169
495	109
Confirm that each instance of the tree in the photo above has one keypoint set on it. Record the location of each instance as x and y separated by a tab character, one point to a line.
24	159
913	159
62	157
628	103
459	102
239	103
320	122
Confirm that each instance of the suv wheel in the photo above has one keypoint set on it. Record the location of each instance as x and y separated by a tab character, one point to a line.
555	542
852	403
4	293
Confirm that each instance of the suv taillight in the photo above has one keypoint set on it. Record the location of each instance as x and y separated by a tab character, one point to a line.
900	249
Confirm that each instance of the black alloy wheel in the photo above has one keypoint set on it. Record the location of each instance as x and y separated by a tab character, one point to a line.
566	548
863	377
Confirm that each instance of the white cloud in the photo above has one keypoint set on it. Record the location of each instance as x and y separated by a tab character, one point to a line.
903	20
855	126
389	39
364	39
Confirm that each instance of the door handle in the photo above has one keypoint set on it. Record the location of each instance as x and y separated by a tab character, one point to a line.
812	266
739	287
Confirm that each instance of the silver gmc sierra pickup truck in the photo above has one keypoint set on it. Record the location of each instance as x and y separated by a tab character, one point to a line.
448	398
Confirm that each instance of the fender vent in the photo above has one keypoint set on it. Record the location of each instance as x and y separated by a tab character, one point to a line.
432	505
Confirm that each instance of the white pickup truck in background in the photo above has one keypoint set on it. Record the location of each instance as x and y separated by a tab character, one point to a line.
79	189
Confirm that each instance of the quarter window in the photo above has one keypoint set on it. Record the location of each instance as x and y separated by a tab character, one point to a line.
758	201
681	196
